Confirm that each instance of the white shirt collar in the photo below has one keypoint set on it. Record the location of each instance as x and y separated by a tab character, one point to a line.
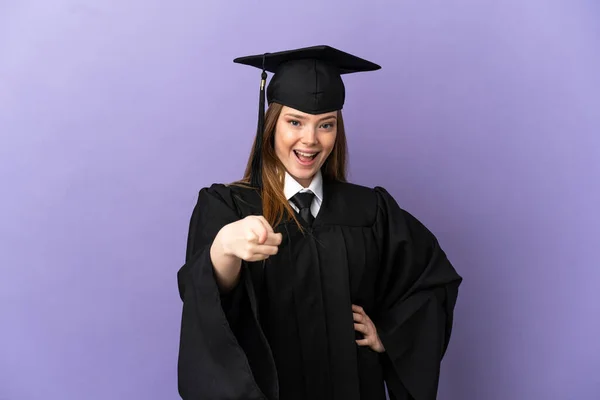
291	186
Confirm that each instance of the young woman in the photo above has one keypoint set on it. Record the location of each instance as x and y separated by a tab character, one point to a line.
298	284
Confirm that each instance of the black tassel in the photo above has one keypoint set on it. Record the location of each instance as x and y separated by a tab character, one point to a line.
256	178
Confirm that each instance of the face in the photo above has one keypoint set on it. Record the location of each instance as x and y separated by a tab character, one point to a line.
304	141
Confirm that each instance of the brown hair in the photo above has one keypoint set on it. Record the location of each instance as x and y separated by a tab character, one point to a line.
273	199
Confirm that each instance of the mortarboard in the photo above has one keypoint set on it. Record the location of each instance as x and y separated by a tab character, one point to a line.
306	79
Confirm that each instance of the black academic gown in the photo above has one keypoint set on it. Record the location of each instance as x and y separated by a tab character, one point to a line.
287	332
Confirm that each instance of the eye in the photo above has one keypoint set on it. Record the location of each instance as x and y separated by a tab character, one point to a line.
294	122
327	126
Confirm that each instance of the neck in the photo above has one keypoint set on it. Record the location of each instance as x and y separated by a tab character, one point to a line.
304	182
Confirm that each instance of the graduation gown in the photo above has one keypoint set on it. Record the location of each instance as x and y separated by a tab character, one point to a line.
286	331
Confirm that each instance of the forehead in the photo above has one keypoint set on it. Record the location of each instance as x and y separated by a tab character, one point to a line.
299	114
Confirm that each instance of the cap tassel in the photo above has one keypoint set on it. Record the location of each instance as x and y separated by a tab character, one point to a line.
256	178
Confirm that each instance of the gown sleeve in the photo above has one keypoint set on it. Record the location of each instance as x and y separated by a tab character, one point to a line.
215	361
417	292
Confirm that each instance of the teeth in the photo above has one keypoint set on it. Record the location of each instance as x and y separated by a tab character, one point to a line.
306	154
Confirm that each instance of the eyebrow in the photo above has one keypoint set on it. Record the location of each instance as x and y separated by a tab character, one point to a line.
298	116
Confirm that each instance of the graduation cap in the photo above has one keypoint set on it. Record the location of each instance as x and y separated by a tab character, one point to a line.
306	79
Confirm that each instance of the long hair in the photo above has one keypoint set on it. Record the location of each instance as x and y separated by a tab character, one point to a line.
274	203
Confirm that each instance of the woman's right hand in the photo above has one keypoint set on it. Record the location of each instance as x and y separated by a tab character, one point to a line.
249	239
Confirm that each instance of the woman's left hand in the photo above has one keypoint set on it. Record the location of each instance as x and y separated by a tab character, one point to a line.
364	325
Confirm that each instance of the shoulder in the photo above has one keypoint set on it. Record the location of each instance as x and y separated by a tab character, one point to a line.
224	191
362	195
239	197
376	204
356	204
352	189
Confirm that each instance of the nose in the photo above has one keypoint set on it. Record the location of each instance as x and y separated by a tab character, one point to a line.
309	136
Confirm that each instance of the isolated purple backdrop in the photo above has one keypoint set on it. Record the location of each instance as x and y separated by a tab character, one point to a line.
484	122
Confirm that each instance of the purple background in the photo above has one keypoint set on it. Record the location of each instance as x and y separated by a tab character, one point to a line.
484	123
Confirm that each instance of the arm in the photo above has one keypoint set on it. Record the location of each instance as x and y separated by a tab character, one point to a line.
227	267
418	288
216	347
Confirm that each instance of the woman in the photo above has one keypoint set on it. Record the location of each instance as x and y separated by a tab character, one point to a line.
299	285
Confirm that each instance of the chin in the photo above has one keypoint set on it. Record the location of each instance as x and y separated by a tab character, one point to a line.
303	174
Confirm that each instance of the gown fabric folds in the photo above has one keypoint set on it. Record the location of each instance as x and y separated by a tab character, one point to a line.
286	331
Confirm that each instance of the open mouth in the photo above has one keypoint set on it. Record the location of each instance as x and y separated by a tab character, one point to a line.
306	158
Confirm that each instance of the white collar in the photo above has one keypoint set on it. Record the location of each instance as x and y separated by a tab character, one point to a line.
291	186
